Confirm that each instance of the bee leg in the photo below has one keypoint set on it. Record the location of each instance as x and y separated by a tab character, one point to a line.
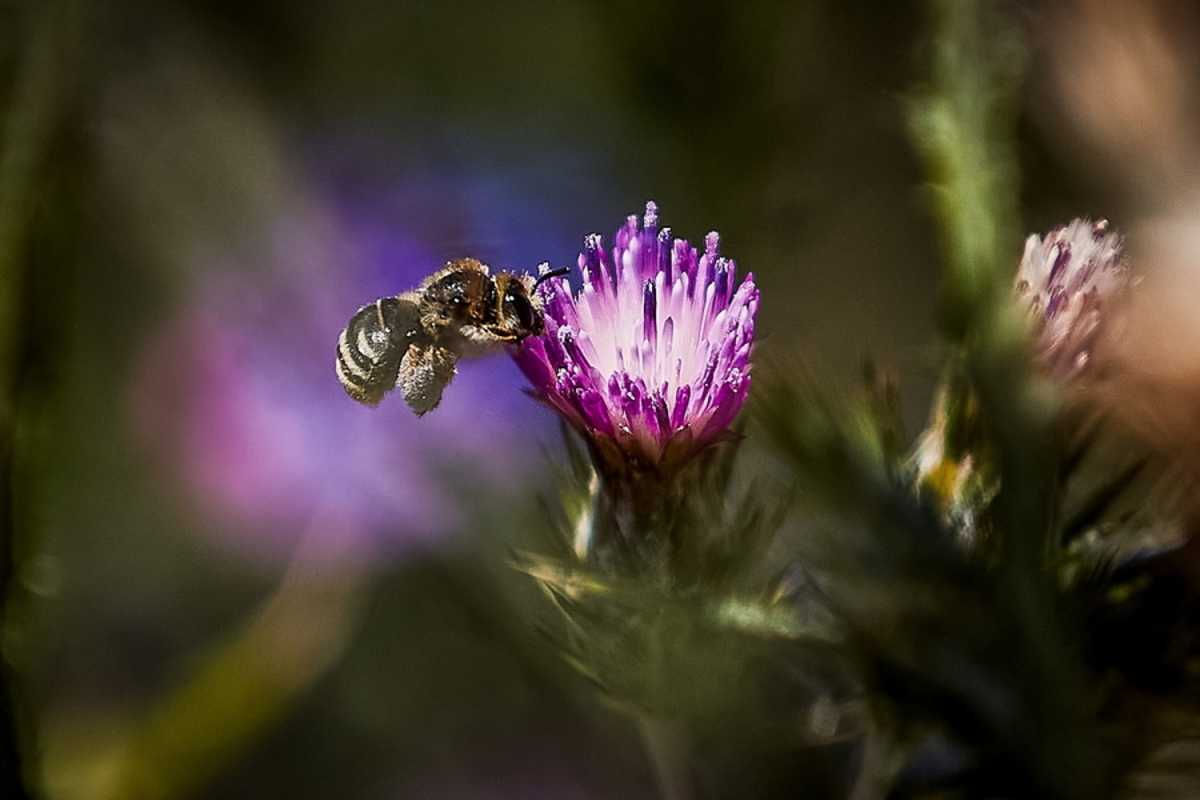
425	371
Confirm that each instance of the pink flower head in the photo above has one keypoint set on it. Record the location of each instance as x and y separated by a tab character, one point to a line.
1066	280
650	360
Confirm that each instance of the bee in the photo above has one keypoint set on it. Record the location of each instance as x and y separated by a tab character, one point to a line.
413	341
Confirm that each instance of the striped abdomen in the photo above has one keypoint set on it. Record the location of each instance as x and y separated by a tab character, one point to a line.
371	346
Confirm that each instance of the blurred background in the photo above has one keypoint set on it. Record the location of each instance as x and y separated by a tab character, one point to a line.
195	196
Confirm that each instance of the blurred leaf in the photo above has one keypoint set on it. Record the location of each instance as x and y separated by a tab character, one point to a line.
241	687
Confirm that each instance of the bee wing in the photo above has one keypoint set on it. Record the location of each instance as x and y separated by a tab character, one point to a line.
372	346
425	371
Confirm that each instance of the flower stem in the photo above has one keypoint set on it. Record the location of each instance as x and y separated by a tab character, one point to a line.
881	763
667	751
49	38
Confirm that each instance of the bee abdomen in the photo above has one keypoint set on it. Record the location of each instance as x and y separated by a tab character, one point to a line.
371	346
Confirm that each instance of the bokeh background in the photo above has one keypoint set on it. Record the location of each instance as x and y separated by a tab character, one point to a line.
196	195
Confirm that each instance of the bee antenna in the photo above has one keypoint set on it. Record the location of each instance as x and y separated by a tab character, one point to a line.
554	273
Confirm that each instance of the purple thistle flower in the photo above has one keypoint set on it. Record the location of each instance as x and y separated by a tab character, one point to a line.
650	360
1065	281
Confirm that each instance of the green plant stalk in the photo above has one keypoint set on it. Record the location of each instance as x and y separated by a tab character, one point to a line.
51	35
667	751
242	687
965	128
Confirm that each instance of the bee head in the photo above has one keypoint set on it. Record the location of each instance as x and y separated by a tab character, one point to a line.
521	305
520	308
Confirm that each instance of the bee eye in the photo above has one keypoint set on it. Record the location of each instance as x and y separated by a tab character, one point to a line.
521	308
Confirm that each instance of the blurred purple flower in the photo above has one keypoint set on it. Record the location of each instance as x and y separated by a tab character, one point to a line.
651	360
1066	279
237	392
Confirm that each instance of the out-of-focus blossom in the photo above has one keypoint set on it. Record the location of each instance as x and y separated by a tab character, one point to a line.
238	393
1068	283
650	361
1068	280
1124	76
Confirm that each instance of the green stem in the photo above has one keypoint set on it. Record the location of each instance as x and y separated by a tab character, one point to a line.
667	751
50	34
881	763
